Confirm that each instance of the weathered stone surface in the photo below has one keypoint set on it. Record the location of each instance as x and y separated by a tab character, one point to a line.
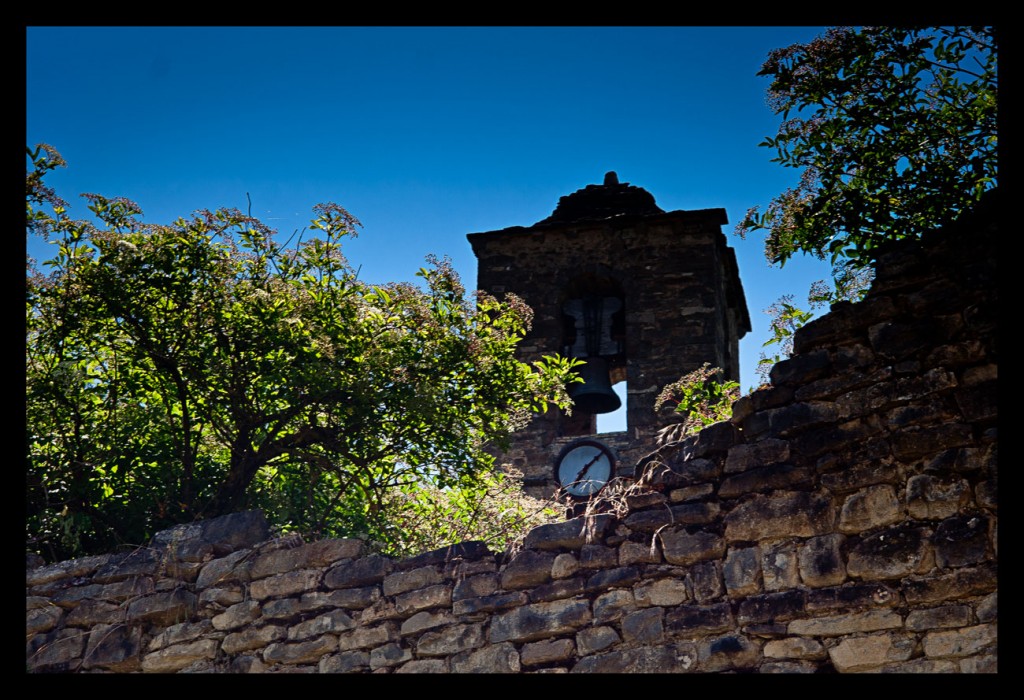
787	667
870	508
853	595
706	581
221	598
566	588
450	640
281	585
794	648
613	605
497	658
403	581
594	639
475	586
490	603
237	615
699	619
960	642
349	599
664	592
714	439
781	514
982	663
446	557
682	514
114	648
425	621
232	567
763	453
424	598
253	638
781	476
674	658
771	607
871	652
691	493
802	368
597	556
333	622
565	565
345	662
961	541
528	568
119	591
820	561
572	534
779	566
987	608
138	562
39	620
179	656
841	473
308	556
424	666
368	637
612	578
539	621
182	632
929	666
165	608
915	442
894	553
220	535
957	584
366	571
942	617
390	654
639	553
692	470
546	652
643	626
741	572
73	568
728	653
868	621
682	548
308	652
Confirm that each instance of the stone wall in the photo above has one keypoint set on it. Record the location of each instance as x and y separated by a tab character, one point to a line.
844	520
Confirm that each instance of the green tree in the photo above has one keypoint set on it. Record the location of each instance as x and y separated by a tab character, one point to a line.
894	132
188	370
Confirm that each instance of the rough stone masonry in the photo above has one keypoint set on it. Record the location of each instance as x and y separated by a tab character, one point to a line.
844	520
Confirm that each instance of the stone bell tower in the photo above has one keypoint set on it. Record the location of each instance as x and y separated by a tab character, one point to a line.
640	294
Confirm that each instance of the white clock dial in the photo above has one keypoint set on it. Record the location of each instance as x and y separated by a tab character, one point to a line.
584	468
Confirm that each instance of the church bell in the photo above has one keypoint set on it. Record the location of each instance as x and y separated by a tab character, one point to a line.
595	394
593	344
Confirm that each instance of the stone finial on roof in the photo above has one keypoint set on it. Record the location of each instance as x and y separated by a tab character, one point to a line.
595	202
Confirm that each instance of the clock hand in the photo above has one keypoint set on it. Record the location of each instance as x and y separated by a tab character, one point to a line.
587	466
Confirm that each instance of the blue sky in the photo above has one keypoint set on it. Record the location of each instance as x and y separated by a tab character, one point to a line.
424	134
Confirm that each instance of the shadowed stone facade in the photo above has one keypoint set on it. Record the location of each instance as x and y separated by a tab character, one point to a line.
678	284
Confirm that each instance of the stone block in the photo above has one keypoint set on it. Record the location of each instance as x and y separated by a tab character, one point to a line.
540	621
682	548
780	514
528	568
891	554
497	658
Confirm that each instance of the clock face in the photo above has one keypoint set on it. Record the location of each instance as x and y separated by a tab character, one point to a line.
584	467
